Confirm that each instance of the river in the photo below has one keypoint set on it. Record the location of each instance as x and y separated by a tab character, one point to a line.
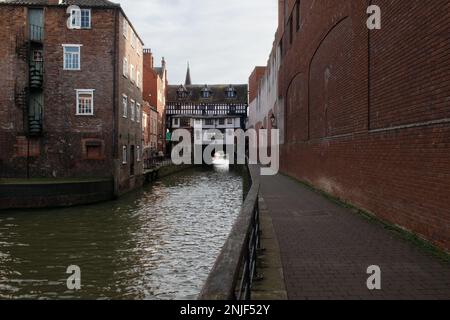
157	243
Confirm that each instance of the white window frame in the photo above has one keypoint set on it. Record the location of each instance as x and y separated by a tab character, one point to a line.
138	112
124	106
84	91
79	56
133	39
90	18
133	110
125	67
230	121
138	79
125	28
124	154
132	73
75	23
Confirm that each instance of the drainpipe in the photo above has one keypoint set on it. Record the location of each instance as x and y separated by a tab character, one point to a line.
114	113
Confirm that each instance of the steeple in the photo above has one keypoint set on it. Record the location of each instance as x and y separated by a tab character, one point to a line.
188	81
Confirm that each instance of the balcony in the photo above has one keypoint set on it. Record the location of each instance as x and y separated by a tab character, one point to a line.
36	33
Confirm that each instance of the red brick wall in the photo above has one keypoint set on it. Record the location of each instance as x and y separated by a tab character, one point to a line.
253	82
367	114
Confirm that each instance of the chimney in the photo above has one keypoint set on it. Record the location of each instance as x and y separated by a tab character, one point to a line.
163	63
148	58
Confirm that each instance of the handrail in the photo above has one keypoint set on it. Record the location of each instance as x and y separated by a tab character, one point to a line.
36	33
235	268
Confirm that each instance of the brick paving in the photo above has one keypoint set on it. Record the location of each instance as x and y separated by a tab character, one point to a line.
326	250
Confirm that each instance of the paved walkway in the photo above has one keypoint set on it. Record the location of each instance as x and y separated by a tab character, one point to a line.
326	250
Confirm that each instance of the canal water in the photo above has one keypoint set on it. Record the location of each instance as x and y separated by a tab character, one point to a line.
157	243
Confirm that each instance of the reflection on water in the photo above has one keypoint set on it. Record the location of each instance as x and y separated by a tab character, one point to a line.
158	243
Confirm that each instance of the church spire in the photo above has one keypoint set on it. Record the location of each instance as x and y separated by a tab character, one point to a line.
188	81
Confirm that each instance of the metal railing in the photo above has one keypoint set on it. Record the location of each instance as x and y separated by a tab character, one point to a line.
153	162
235	269
36	33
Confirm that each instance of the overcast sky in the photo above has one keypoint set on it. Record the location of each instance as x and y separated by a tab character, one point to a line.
222	39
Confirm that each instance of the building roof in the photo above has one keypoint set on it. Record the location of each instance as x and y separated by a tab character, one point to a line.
218	94
81	3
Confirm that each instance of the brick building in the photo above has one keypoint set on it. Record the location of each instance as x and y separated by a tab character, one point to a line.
155	92
71	92
367	112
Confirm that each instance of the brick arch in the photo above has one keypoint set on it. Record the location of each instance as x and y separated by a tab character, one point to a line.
330	83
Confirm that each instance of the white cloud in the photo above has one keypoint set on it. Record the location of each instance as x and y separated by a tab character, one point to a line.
222	40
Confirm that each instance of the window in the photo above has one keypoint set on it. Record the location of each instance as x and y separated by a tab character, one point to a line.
231	92
93	149
185	122
182	92
144	121
138	153
133	110
75	19
125	106
206	92
139	49
85	18
125	28
138	112
176	122
132	73
221	122
71	57
209	122
230	121
138	79
85	102
124	155
133	39
125	67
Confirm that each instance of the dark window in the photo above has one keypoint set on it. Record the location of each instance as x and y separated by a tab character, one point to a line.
185	122
221	122
231	92
93	152
209	122
206	93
